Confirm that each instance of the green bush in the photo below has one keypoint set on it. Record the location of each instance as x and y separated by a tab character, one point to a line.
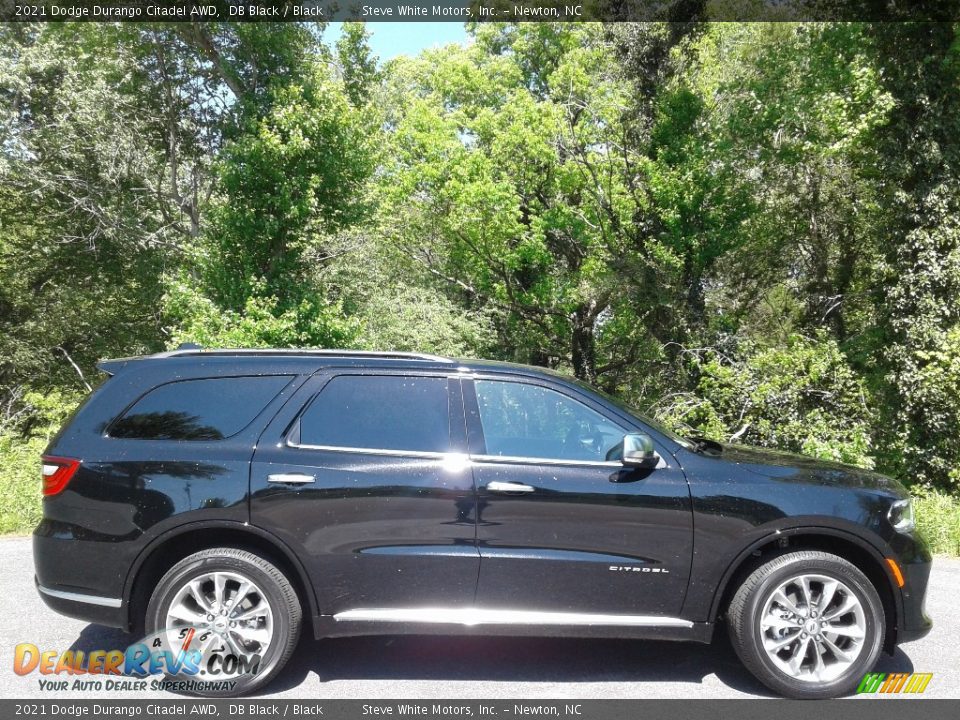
938	519
802	397
20	450
262	322
20	480
920	439
421	320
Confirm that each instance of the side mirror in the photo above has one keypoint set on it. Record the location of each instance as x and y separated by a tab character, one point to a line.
638	451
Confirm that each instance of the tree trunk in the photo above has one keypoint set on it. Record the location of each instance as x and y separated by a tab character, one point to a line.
696	301
584	343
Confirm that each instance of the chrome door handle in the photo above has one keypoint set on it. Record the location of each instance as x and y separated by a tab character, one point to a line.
291	478
509	487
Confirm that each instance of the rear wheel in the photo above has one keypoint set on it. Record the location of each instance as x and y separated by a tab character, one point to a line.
237	609
807	624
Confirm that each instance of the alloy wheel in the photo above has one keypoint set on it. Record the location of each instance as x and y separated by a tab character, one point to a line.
813	627
225	607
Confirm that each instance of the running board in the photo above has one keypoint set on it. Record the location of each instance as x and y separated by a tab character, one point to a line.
475	616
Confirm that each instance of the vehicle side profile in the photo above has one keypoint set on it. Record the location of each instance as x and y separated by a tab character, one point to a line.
250	495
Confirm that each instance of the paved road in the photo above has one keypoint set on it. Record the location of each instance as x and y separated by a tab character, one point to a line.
436	667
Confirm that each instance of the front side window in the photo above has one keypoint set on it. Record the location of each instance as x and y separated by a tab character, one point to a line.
379	412
206	409
530	421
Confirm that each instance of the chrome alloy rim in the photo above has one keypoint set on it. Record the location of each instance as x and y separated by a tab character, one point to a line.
225	608
813	627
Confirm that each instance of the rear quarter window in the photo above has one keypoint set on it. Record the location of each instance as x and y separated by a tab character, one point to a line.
204	409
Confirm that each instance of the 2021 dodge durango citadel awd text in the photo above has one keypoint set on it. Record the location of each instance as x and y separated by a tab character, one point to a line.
247	496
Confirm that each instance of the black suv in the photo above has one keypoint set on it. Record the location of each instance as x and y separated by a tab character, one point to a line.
243	495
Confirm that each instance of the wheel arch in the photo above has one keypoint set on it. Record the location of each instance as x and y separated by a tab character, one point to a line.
167	549
850	546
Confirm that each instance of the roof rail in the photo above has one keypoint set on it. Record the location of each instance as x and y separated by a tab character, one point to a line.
387	355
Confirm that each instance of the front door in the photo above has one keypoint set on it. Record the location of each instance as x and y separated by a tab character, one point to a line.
560	528
363	476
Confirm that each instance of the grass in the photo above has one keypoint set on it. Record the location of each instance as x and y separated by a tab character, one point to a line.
938	519
937	512
20	483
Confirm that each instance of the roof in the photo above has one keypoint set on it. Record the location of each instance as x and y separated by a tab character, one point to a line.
284	356
270	352
353	357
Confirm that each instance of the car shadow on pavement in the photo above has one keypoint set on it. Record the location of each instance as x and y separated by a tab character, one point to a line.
503	659
100	637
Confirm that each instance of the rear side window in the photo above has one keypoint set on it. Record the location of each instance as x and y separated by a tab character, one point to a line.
207	409
379	412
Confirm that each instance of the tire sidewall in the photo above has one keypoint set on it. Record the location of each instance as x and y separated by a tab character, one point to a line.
873	615
178	576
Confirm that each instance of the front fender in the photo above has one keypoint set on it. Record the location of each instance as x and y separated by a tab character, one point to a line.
818	528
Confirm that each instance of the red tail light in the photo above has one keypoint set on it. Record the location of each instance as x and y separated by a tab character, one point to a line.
57	472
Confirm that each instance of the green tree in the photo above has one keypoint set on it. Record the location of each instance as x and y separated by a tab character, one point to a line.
917	291
511	182
357	63
802	396
289	177
83	221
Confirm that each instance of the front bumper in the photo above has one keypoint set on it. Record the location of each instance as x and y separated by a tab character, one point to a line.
914	621
912	555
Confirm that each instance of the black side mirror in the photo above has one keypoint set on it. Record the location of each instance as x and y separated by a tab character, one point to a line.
638	451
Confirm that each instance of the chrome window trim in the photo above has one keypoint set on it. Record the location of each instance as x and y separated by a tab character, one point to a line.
520	460
480	616
422	454
515	459
81	597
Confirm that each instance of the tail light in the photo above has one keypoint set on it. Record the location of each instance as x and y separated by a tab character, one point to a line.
57	472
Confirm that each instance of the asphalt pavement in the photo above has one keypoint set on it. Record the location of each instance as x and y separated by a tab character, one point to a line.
472	668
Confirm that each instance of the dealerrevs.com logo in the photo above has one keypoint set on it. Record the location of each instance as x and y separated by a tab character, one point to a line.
183	659
891	683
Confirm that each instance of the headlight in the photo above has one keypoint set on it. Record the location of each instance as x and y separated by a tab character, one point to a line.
901	515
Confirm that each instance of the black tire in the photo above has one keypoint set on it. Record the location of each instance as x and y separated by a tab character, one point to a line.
746	634
276	589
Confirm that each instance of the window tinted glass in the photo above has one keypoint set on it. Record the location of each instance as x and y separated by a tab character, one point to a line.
379	412
642	417
209	409
523	420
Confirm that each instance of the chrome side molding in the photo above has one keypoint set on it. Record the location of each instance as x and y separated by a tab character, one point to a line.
478	616
81	597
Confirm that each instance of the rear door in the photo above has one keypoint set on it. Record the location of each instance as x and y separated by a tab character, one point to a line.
364	476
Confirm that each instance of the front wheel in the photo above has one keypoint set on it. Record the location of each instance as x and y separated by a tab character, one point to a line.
807	624
233	609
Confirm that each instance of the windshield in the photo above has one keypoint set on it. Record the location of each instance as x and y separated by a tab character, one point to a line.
659	427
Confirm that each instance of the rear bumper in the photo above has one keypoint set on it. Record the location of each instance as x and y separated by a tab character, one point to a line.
83	606
78	578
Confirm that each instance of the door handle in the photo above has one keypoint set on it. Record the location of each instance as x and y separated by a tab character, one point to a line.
509	487
291	478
